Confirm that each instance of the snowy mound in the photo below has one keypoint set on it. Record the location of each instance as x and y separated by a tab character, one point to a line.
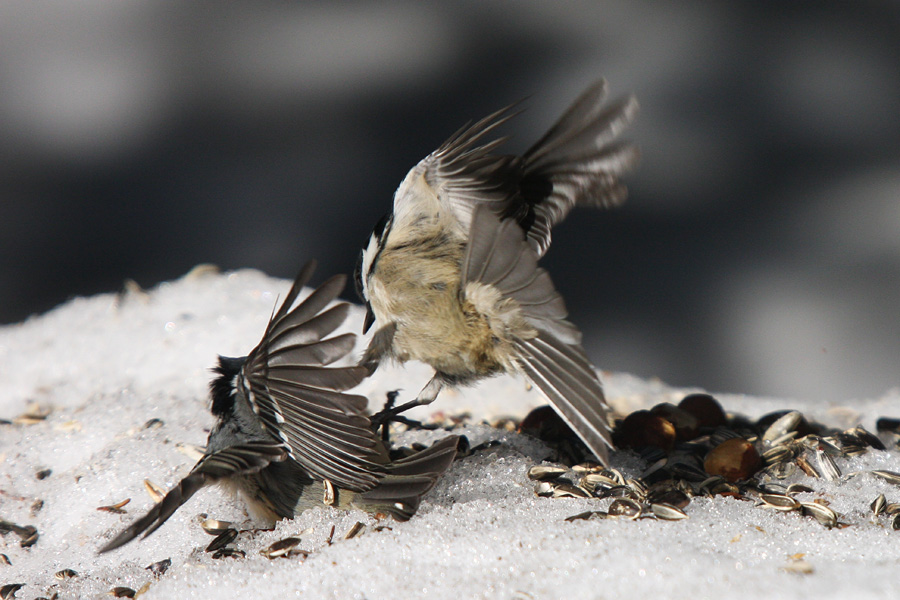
105	392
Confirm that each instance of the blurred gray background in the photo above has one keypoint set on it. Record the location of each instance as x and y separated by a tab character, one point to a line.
759	251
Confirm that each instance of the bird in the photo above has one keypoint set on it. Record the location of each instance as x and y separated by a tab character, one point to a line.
287	437
451	278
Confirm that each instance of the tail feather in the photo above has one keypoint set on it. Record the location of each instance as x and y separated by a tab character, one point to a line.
400	491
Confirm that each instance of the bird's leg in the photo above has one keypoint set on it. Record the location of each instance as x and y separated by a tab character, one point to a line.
391	414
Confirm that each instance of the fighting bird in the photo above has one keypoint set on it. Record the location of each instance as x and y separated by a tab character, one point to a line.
287	437
451	275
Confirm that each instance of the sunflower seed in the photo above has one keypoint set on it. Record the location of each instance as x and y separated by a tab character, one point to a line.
160	568
115	508
65	574
667	512
156	492
820	512
624	507
565	490
122	592
229	553
214	527
4	559
892	508
784	425
355	531
280	548
895	522
878	504
798	488
9	590
585	516
779	502
222	540
545	472
329	497
889	476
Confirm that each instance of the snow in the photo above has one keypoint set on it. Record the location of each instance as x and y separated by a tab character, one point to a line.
106	365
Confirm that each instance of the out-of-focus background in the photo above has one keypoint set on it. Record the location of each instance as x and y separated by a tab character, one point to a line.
759	251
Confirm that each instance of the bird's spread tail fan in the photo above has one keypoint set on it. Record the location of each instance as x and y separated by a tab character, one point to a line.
408	479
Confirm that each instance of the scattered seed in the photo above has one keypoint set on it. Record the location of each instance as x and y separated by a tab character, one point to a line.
878	504
355	531
798	488
821	513
160	568
65	574
191	451
827	466
587	515
215	527
624	507
36	507
43	473
545	472
222	540
892	508
116	508
784	425
889	476
566	490
156	492
122	592
779	502
9	590
895	522
667	512
329	496
4	559
154	424
228	553
280	548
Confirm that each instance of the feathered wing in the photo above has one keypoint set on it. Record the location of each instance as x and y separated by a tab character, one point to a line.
236	460
300	400
578	161
552	357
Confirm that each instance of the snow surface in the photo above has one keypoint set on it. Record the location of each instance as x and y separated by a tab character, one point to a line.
108	364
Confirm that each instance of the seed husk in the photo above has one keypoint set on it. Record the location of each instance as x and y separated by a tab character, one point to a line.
892	508
566	490
889	476
329	497
229	553
4	559
222	540
9	590
122	592
827	466
155	491
545	472
624	507
585	516
66	574
895	522
878	504
160	568
667	512
798	488
357	529
821	513
115	508
215	527
280	548
779	502
783	425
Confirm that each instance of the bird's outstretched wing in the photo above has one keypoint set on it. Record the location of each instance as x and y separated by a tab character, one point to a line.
551	356
235	460
300	400
578	161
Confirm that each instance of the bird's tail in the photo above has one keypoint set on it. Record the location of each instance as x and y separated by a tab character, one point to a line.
399	492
